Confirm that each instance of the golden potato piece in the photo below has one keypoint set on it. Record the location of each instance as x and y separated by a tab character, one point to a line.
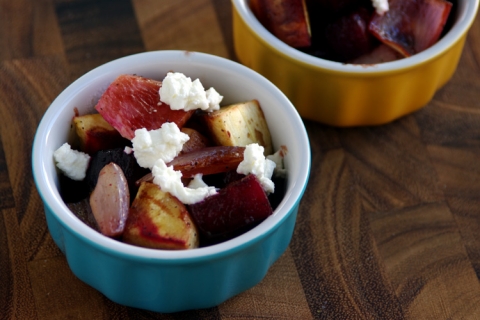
239	125
159	220
96	134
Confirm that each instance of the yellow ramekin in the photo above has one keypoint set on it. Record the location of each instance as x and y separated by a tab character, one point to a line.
345	95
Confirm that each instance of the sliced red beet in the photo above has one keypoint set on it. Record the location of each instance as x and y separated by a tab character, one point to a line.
286	19
411	26
241	204
209	160
349	37
133	102
334	6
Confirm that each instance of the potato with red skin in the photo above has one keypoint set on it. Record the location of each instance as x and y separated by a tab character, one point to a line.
286	19
159	220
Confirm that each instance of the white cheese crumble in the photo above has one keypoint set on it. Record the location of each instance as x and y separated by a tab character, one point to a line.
164	143
197	182
170	181
277	157
381	6
254	162
181	93
73	163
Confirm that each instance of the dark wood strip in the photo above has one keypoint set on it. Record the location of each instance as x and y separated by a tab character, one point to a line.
6	193
95	32
223	10
339	268
426	262
28	29
454	148
16	296
27	88
391	165
211	313
15	29
181	25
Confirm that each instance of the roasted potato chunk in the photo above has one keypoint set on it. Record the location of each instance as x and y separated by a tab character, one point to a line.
239	125
94	134
159	220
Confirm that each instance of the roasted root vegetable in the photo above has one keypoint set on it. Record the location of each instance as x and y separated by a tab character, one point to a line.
159	220
286	19
96	134
207	161
133	102
241	204
196	140
239	125
110	200
120	200
411	26
351	30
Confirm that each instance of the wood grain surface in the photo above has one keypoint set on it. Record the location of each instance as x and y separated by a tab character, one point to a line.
389	227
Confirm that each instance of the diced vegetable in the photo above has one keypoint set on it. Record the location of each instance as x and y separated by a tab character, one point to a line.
133	102
207	161
241	204
286	19
110	200
96	134
411	26
159	220
239	125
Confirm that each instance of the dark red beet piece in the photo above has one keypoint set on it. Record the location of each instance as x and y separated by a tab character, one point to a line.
411	26
333	6
240	204
133	102
349	37
286	19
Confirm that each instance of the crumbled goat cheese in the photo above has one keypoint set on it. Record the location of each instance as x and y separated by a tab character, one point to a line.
170	181
181	93
197	182
164	143
381	6
73	163
277	157
254	162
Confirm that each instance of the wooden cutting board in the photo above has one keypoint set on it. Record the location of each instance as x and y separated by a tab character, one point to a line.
389	227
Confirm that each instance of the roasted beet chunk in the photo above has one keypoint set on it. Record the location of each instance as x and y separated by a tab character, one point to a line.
411	26
241	204
126	162
349	37
71	190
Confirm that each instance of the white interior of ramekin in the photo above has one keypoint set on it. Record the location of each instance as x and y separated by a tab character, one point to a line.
465	15
231	79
